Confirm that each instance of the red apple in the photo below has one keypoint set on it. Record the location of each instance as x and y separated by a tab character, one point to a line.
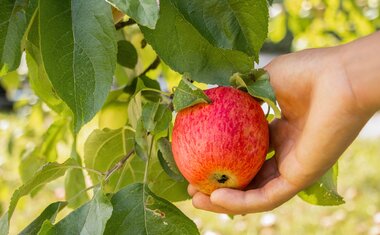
221	144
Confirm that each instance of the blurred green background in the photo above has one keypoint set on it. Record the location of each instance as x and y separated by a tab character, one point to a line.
295	25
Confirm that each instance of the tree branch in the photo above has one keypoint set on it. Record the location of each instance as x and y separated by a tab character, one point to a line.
152	66
118	165
123	24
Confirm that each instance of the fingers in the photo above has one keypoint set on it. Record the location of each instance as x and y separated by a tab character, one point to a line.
271	195
202	201
191	190
267	172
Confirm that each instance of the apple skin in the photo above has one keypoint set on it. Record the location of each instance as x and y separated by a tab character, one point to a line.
222	144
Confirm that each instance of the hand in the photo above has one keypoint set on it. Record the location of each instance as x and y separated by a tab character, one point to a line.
321	116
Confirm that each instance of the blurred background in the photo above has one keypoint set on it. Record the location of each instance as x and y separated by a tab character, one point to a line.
294	25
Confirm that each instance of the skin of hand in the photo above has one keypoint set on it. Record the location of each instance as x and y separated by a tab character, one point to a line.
321	116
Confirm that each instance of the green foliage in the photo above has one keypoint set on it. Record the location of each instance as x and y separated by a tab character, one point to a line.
78	49
145	12
140	211
228	24
47	173
166	158
324	191
48	214
123	136
185	49
91	218
156	117
14	20
126	54
186	95
257	84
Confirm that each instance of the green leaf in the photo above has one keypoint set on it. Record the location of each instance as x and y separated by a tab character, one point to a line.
4	224
324	191
156	117
14	19
165	156
126	54
140	211
186	95
38	78
78	48
135	108
141	141
47	173
145	12
139	84
181	46
48	214
104	148
74	186
46	226
258	85
229	24
90	218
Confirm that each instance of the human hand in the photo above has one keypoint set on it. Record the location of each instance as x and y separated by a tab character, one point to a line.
321	116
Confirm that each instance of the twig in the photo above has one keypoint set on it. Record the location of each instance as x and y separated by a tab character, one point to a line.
123	24
118	165
152	66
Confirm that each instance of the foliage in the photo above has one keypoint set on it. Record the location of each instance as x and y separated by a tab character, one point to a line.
105	90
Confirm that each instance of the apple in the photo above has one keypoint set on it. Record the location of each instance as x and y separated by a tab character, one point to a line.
221	144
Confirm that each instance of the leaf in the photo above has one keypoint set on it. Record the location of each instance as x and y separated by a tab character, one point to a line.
38	78
126	54
46	226
140	211
74	186
104	148
181	46
48	214
90	218
78	49
145	12
156	117
187	95
165	156
47	173
135	109
141	142
228	24
113	115
142	82
258	85
324	191
4	224
14	19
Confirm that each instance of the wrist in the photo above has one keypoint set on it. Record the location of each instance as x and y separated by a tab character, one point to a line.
360	61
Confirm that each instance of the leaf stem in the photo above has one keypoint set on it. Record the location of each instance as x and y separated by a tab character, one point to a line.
118	165
82	191
89	170
123	24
